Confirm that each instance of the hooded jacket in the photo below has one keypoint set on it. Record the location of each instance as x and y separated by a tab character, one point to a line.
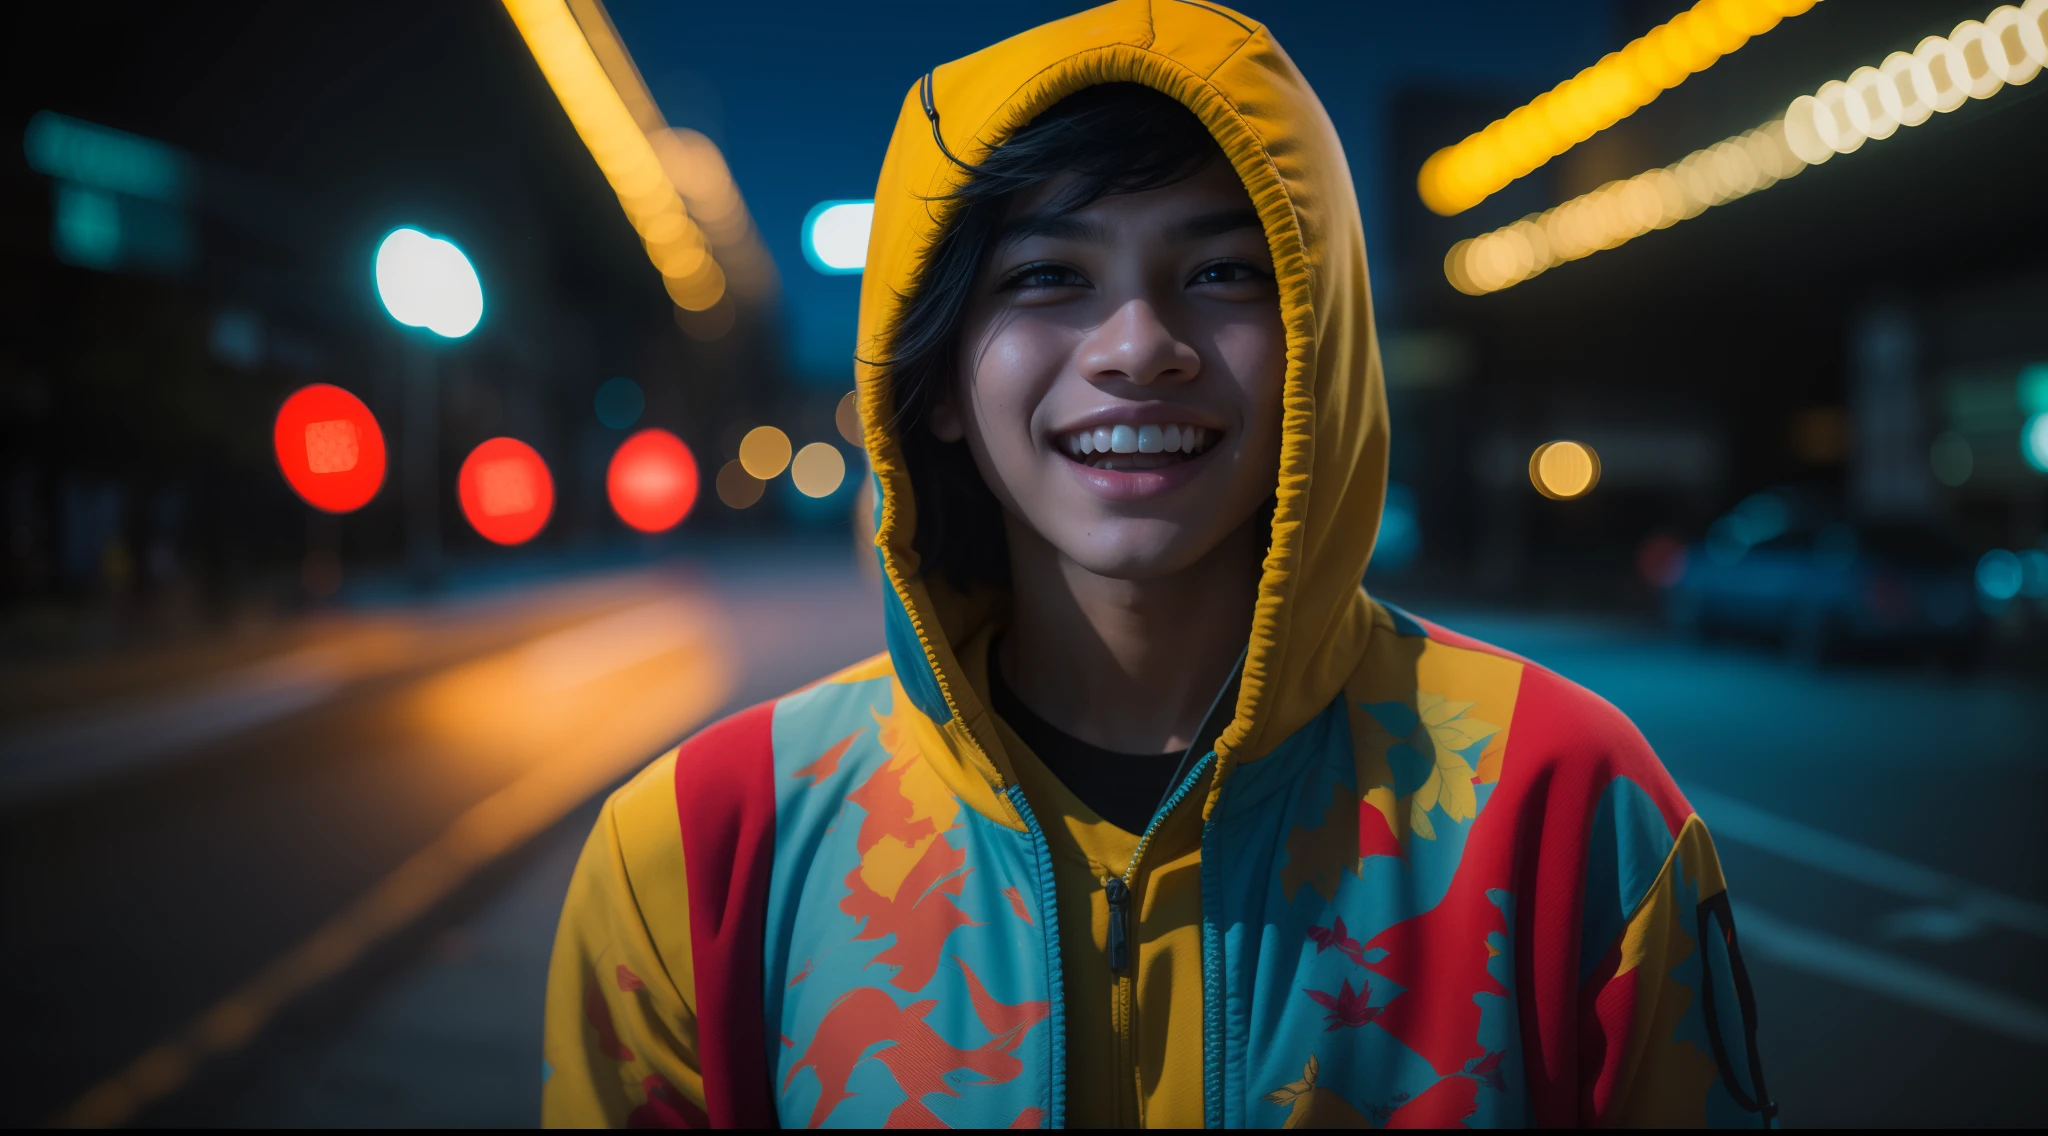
1416	881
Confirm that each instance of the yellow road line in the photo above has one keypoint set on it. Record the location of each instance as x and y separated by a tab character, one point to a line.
494	826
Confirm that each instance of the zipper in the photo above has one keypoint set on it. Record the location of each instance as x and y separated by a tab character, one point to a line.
1056	1099
1117	890
1119	894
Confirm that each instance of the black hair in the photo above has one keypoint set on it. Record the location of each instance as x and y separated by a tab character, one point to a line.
1115	138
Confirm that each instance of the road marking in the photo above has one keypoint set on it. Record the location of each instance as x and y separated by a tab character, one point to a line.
94	744
1730	819
498	824
1818	953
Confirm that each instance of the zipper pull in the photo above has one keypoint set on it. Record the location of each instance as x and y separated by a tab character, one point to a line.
1119	923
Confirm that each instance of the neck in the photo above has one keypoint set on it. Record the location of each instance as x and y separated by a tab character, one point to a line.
1128	665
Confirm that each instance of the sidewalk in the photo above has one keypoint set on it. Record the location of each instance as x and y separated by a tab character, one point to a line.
455	1042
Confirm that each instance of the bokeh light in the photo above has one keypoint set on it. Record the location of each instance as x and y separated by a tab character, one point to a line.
2034	442
2033	573
1873	103
2000	575
619	402
737	488
652	481
648	168
1400	535
818	469
835	236
847	418
1760	517
506	491
427	282
329	447
1564	470
764	451
1458	177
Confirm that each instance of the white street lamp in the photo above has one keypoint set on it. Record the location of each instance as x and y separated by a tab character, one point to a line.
426	282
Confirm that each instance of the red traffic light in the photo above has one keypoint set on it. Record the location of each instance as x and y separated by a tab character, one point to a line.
653	481
330	448
506	491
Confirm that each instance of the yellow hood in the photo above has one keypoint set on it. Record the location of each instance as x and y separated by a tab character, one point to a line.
1312	620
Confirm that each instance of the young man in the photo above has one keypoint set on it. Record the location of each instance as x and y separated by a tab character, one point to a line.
1149	815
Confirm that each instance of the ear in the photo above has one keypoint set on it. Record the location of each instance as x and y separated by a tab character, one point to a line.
946	423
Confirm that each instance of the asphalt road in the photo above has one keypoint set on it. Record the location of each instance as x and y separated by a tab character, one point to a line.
183	858
1878	829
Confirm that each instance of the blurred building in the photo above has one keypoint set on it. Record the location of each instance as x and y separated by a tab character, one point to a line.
1863	331
190	201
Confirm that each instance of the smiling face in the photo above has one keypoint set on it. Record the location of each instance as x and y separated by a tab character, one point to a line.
1121	369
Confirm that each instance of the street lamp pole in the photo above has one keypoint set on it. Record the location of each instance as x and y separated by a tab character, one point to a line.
425	282
422	501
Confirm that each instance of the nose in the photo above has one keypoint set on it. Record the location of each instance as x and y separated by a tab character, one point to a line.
1135	346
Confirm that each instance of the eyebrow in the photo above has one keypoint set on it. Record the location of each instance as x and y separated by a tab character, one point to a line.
1218	223
1058	226
1068	227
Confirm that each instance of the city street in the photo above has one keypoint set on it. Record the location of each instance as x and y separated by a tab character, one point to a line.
246	835
1875	826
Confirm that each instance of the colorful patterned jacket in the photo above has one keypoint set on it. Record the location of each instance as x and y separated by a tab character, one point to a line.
1416	881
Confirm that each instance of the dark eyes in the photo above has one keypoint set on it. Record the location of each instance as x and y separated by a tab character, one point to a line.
1043	276
1037	276
1228	272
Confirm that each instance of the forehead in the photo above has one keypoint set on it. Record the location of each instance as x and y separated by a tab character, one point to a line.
1212	189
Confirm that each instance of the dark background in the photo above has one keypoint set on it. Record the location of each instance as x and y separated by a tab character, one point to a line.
158	575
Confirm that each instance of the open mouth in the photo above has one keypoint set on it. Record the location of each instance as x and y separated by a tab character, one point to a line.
1152	446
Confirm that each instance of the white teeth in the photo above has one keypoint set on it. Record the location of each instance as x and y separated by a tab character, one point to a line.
1171	438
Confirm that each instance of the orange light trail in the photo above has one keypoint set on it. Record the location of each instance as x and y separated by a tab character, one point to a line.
1458	177
1974	61
673	184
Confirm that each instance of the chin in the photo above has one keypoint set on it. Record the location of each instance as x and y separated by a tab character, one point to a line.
1136	550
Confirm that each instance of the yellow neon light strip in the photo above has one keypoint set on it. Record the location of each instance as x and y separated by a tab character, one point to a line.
639	156
693	162
1458	177
1975	61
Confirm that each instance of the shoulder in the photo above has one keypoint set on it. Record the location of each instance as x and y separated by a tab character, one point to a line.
1559	746
743	745
727	769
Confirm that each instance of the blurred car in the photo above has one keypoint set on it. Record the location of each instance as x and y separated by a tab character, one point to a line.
1781	568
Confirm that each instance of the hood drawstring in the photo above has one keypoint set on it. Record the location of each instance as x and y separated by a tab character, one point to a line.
1206	733
931	111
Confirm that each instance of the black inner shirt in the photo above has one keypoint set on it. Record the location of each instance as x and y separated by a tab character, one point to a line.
1123	788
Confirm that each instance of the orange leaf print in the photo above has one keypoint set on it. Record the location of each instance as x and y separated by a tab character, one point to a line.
627	980
920	1060
920	915
828	764
889	811
1016	899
